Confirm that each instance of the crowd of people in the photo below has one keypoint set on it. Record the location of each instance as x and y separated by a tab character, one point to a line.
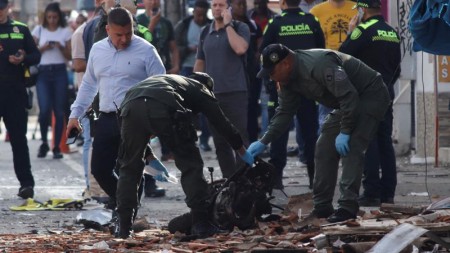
244	77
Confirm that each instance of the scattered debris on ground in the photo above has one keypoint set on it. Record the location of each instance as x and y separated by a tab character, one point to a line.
392	228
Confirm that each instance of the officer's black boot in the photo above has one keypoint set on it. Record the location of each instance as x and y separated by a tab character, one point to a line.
310	168
201	227
124	223
151	190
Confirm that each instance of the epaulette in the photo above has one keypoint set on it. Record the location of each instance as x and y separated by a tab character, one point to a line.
14	22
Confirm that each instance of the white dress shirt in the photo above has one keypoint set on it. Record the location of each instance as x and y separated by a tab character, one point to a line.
113	72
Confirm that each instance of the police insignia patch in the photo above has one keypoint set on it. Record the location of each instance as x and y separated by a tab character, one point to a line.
16	29
339	74
274	57
355	34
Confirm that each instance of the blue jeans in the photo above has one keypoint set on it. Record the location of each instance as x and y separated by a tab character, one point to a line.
51	89
380	155
86	148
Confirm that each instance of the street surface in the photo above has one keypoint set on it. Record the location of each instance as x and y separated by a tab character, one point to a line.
64	178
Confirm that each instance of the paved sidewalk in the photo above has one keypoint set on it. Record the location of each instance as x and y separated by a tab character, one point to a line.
64	178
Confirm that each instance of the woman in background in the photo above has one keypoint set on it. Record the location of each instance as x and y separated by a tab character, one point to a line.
53	39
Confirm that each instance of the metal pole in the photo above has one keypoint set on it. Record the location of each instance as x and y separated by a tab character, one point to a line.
436	118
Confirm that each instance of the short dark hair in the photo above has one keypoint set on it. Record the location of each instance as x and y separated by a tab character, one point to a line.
119	16
292	3
201	4
54	7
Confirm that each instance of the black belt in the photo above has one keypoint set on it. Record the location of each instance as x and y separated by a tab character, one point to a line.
108	113
52	67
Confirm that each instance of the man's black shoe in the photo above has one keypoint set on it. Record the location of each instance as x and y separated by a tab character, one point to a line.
26	192
314	216
43	149
101	200
341	215
366	201
292	151
57	153
154	192
204	229
182	224
320	214
122	227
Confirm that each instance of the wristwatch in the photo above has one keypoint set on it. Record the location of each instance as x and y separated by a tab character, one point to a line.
229	24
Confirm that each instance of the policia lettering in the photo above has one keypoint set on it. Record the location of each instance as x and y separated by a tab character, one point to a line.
299	29
383	35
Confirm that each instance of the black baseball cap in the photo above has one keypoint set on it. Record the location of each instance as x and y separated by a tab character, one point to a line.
271	56
367	4
3	3
204	79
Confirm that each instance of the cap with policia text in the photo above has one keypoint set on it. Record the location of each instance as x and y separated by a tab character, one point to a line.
271	56
3	3
367	4
204	79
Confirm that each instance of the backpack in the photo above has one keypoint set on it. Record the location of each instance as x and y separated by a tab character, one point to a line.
429	23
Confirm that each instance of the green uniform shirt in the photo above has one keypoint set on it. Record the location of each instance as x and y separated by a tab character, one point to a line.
181	93
335	80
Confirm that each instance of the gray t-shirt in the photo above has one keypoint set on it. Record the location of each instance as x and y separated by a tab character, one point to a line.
193	37
221	62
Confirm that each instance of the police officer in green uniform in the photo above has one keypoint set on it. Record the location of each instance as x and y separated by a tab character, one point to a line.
17	50
296	30
377	44
359	99
162	106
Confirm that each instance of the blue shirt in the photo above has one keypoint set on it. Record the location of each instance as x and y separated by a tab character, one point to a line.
113	72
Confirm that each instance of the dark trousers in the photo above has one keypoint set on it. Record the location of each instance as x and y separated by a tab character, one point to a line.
136	129
205	135
15	116
254	92
307	120
203	122
104	152
234	106
381	155
327	162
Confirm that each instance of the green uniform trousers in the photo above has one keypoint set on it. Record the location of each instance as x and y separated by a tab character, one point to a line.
327	162
137	127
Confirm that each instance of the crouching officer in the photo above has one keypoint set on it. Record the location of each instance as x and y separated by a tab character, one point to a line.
17	48
162	105
359	98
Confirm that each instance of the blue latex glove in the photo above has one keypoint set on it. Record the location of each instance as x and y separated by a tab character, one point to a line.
256	148
248	158
157	165
341	144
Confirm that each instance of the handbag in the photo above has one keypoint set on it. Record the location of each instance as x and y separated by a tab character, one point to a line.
30	96
31	74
